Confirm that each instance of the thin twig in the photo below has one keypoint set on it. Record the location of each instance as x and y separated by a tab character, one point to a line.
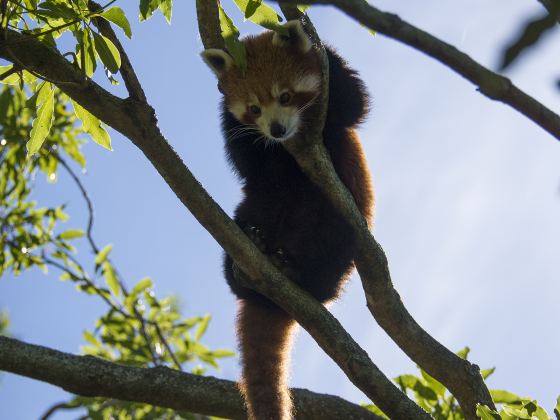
133	85
60	406
85	195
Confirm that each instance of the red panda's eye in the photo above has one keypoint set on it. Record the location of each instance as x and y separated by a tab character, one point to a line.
284	99
255	110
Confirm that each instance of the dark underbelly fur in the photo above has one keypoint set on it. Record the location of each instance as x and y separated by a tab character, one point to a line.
297	227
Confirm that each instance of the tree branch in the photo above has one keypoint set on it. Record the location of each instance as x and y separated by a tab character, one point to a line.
160	386
491	84
459	376
136	120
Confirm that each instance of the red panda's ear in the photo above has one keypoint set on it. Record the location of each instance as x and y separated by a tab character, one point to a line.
296	37
218	60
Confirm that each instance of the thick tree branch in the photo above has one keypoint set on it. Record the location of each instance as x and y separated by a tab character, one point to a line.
491	84
94	377
137	121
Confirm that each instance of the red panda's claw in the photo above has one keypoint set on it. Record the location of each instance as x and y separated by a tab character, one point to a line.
255	235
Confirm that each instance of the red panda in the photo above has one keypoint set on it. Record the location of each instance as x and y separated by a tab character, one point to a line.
290	219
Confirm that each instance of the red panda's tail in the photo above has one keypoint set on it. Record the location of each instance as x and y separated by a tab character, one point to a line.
265	336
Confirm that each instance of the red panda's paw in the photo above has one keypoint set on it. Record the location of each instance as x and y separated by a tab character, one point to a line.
282	262
256	236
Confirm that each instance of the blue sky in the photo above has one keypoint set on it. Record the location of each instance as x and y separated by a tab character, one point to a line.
468	198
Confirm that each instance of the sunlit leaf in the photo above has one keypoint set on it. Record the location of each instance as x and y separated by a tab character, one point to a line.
71	234
111	279
201	329
230	34
485	373
117	16
90	338
500	396
102	255
165	7
88	49
486	413
141	286
92	126
223	353
434	384
464	353
107	51
41	124
261	14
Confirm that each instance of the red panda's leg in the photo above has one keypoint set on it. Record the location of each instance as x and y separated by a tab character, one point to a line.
265	334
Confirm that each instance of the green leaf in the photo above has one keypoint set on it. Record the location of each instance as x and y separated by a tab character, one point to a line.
12	79
71	234
375	410
117	16
516	412
223	353
485	373
406	381
303	7
92	126
141	286
486	413
90	338
230	34
87	48
165	6
102	255
202	326
57	10
500	396
433	384
111	279
41	124
557	409
259	13
464	353
107	51
146	9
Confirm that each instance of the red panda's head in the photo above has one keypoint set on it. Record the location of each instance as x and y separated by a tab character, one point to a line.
282	80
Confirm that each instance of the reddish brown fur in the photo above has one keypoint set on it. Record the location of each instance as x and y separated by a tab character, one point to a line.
349	161
266	65
265	338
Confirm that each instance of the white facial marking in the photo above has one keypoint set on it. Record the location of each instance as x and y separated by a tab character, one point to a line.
237	109
275	91
308	83
288	116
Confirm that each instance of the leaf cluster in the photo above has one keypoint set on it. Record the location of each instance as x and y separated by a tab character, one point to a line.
39	134
433	397
76	20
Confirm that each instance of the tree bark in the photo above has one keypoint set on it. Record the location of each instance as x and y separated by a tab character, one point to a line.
94	377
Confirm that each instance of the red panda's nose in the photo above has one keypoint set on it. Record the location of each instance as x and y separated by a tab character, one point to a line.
277	129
